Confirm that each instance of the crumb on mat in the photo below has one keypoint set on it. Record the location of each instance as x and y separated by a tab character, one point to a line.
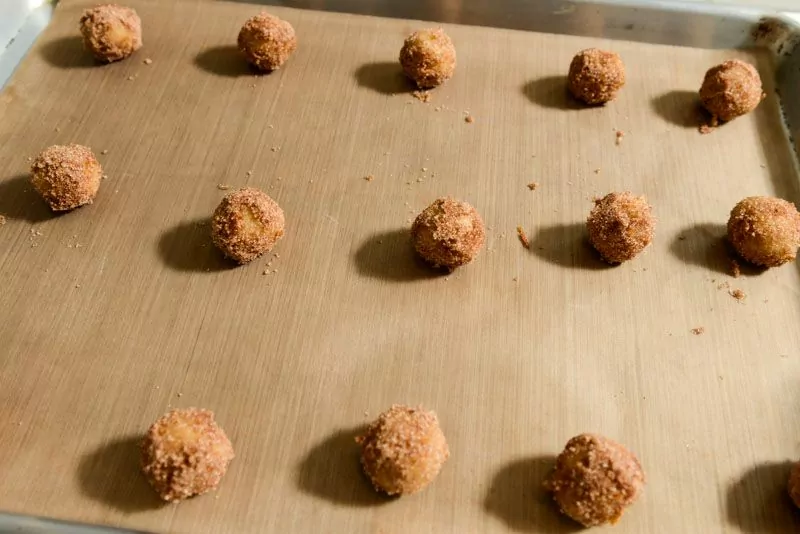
422	96
523	237
533	185
699	330
369	177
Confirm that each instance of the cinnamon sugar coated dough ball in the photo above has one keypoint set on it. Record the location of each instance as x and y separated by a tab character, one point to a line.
267	41
448	233
765	230
185	453
620	226
403	450
246	224
111	32
794	484
595	479
731	89
67	176
596	76
428	57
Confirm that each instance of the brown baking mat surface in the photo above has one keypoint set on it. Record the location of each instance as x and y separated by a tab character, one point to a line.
119	310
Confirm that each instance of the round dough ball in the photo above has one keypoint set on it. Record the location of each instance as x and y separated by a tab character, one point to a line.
448	233
731	89
111	32
246	224
428	57
794	484
595	76
403	450
67	176
267	41
620	226
765	230
185	453
595	479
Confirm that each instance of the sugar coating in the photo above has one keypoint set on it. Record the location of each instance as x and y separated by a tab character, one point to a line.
731	89
111	32
66	176
246	224
596	76
403	450
595	479
765	230
448	233
267	41
620	226
185	453
428	57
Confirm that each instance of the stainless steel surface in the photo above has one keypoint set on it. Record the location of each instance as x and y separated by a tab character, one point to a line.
659	22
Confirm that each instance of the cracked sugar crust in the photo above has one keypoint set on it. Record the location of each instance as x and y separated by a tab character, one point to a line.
596	76
185	453
66	176
595	479
428	57
111	32
267	41
448	233
731	89
246	224
403	450
620	226
765	230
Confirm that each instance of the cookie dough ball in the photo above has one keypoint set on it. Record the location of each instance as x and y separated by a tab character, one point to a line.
765	230
67	176
620	226
595	479
111	32
267	41
428	57
185	453
448	233
595	76
731	89
403	450
246	224
794	484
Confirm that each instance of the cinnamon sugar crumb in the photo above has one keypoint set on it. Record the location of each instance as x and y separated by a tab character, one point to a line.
223	187
736	270
469	119
369	177
148	61
533	185
699	330
422	96
523	237
738	294
620	134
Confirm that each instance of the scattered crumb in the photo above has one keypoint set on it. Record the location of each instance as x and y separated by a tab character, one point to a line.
597	171
514	279
249	173
469	119
148	61
422	96
523	237
104	177
180	394
2	220
533	185
620	134
223	187
738	294
270	126
724	285
736	270
369	177
424	169
275	148
104	152
131	78
706	128
699	330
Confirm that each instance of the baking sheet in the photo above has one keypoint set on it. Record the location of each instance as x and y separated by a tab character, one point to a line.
122	309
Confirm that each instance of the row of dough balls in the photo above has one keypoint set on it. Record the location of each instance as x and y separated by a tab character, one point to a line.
448	234
185	453
428	57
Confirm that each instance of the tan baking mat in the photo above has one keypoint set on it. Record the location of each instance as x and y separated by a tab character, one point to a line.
119	310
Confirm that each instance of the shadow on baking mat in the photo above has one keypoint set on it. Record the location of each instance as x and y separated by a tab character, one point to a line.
224	61
758	501
681	108
18	200
390	256
385	77
567	245
112	476
188	247
517	498
331	471
707	246
68	53
551	92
